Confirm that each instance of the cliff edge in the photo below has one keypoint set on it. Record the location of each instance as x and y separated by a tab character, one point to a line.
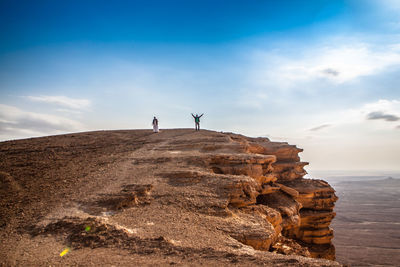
175	197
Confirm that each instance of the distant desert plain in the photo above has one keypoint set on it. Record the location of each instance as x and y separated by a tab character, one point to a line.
367	223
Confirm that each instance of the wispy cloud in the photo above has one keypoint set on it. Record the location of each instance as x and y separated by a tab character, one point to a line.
320	127
383	109
64	101
69	111
379	115
20	123
365	115
339	64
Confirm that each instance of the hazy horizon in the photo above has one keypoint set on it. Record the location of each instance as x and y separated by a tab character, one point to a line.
323	75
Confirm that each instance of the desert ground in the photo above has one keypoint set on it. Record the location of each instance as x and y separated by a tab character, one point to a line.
125	198
367	223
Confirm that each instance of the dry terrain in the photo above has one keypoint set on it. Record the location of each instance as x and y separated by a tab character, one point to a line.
367	225
178	197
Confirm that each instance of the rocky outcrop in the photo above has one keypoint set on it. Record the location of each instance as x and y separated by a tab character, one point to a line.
305	205
318	199
259	181
216	198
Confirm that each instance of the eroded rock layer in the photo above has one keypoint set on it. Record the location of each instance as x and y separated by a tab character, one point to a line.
179	192
305	205
264	178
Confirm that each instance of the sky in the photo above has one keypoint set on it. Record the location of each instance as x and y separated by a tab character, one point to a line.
321	74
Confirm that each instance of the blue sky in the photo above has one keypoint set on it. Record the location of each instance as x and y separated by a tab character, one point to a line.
320	74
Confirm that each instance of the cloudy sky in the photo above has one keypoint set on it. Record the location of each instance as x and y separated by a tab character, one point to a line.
321	74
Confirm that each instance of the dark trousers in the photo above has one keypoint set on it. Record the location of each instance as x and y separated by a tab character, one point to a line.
197	126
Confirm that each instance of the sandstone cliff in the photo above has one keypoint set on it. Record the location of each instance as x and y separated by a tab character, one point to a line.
178	196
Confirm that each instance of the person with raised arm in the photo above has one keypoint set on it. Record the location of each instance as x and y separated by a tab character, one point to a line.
197	121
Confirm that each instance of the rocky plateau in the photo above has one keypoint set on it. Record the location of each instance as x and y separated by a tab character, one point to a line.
178	197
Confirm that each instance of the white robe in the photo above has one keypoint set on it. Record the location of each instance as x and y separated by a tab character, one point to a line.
155	128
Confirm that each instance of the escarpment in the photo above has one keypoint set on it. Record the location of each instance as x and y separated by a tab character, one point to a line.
262	180
177	196
305	205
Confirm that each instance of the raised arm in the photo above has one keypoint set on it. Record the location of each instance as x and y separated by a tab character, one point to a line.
201	115
193	115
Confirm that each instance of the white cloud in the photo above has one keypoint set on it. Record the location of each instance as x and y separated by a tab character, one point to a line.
15	122
379	115
64	101
69	111
320	127
337	64
383	106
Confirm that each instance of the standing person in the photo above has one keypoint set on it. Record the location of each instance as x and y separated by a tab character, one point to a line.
197	121
155	125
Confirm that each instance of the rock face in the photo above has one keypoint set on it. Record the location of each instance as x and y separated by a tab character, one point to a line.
317	199
178	192
305	205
